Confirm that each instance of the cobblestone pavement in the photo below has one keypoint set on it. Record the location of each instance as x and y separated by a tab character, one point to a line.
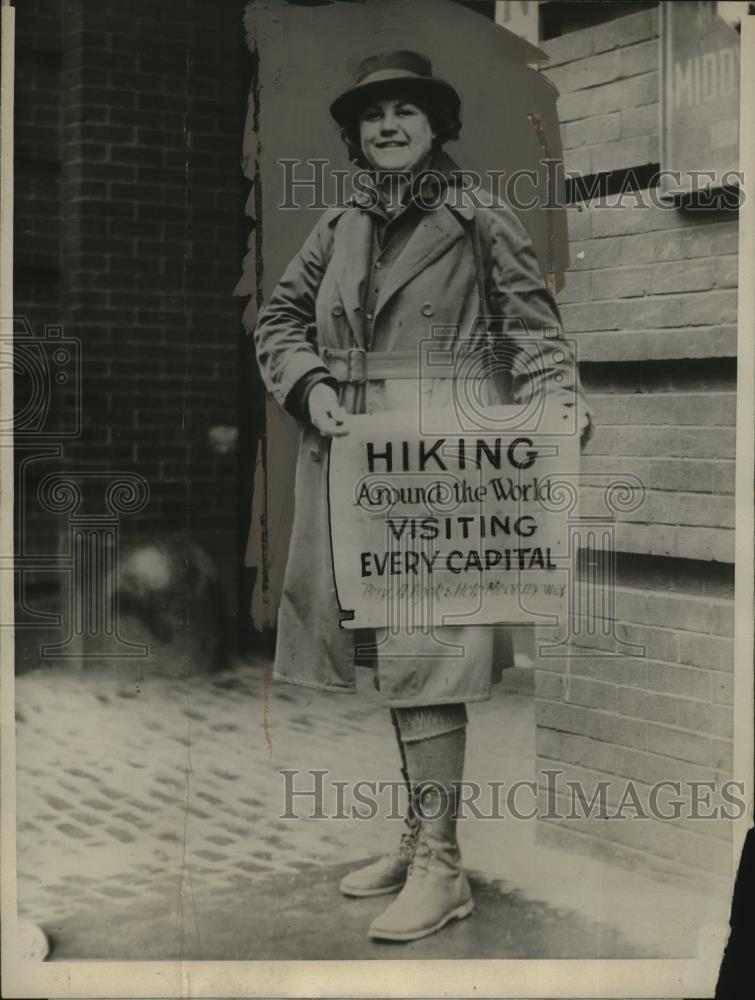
124	786
138	795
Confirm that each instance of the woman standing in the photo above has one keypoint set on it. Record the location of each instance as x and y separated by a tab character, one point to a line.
339	335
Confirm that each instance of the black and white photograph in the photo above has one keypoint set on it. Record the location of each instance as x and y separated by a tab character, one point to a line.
377	398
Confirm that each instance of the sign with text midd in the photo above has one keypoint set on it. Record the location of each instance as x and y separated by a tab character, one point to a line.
439	525
700	97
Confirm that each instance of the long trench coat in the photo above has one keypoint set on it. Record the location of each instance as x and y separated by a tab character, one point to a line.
317	304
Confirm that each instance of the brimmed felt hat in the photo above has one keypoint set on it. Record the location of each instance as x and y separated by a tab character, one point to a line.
409	72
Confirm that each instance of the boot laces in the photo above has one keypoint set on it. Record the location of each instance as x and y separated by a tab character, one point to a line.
408	842
422	854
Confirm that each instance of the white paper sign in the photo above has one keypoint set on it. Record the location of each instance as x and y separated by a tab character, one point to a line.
443	526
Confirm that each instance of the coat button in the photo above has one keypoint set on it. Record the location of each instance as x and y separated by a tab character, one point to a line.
337	310
427	309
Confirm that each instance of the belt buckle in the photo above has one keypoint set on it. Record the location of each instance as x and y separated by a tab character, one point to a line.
357	369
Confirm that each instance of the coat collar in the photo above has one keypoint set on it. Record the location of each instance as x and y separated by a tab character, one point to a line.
438	229
442	170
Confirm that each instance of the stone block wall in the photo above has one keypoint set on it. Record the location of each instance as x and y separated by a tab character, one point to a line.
645	695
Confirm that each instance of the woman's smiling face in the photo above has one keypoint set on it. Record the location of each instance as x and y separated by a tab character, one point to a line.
395	134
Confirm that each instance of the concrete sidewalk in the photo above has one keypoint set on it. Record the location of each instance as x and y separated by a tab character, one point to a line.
152	805
303	916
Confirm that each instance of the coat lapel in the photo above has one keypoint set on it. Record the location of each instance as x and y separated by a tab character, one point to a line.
351	263
437	231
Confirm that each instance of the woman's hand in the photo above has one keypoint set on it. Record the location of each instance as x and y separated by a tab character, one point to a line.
325	412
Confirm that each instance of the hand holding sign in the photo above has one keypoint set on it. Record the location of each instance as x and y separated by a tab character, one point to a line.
325	412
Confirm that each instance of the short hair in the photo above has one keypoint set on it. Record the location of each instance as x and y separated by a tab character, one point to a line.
443	118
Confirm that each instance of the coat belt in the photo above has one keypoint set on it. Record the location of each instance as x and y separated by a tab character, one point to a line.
358	365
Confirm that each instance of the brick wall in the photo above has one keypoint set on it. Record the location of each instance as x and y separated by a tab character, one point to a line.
663	715
608	80
129	233
651	301
38	161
